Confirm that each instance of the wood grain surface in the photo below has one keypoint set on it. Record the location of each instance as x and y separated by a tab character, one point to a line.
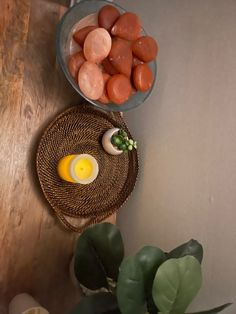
35	250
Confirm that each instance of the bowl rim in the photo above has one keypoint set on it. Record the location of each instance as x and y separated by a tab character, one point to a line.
62	64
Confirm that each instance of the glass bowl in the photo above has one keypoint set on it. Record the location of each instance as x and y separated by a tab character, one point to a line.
67	23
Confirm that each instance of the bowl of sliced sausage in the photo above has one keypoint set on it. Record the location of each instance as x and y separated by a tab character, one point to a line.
106	55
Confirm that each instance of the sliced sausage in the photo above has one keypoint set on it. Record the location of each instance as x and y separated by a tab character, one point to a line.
104	98
145	48
90	80
108	67
97	45
120	56
127	26
81	34
119	89
142	77
107	16
75	62
136	61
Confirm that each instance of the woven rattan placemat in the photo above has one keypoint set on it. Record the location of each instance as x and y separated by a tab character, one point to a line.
79	130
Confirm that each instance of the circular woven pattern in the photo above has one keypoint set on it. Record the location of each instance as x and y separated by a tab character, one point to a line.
79	130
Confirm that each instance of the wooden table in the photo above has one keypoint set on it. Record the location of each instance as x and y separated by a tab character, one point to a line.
35	250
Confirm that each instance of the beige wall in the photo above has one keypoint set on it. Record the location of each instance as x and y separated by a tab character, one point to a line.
187	138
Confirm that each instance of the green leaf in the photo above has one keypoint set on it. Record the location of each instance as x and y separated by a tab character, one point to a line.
130	287
122	133
134	289
122	146
116	140
127	143
150	258
192	247
98	255
176	283
215	310
100	303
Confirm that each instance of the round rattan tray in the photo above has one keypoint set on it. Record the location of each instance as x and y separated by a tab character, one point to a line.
79	130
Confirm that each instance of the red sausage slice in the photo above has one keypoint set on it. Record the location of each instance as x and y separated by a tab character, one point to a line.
121	56
104	98
75	62
136	61
107	16
127	27
81	34
119	89
97	45
142	77
90	80
145	48
108	67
